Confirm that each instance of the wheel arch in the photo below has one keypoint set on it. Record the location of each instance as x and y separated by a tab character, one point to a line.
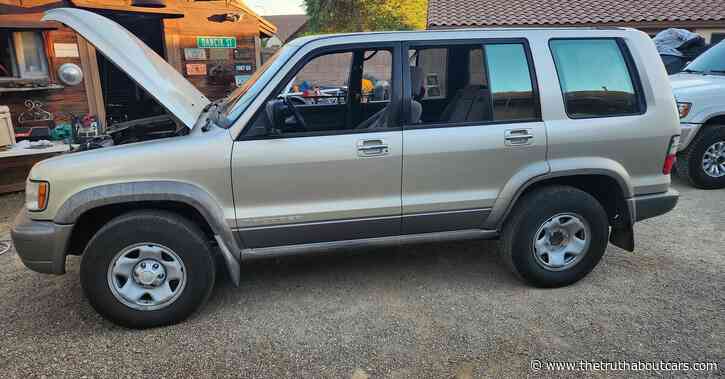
594	181
89	209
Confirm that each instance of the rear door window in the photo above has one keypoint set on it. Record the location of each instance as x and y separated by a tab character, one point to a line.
595	78
511	89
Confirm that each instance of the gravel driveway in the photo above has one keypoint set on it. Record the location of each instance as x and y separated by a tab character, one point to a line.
443	310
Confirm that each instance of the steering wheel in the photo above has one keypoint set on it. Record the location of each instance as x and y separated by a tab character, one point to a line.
301	124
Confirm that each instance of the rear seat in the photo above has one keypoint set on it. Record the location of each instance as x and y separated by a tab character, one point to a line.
473	103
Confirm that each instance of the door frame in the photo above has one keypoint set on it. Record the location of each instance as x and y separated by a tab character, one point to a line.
396	98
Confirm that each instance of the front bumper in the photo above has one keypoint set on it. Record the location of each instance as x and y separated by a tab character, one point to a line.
687	133
41	245
648	206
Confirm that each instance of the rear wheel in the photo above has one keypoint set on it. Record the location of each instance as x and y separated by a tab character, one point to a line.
555	236
147	268
703	162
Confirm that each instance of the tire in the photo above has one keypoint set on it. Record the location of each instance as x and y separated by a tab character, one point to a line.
690	161
185	261
549	205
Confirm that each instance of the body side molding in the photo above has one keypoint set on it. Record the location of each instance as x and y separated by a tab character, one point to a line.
280	251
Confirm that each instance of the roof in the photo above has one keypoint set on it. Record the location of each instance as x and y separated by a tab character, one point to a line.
459	13
288	25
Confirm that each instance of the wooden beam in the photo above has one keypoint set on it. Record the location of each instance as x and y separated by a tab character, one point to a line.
92	81
172	44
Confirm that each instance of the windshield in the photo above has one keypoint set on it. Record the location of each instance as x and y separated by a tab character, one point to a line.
711	61
233	106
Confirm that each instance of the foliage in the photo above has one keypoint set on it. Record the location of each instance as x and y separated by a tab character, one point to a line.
339	16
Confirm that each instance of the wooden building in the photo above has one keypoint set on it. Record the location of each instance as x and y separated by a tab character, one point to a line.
216	44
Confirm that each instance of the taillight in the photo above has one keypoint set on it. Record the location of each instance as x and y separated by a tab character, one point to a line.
671	155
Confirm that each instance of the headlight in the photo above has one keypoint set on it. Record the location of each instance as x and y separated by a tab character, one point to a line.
684	109
36	195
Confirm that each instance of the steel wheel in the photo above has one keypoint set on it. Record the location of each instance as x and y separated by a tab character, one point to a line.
713	161
561	242
147	276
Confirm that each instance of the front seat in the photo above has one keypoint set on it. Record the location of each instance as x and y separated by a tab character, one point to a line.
380	118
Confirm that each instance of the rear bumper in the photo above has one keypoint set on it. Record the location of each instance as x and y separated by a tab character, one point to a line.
648	206
41	245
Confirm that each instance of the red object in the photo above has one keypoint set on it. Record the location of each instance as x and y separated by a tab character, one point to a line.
669	163
671	155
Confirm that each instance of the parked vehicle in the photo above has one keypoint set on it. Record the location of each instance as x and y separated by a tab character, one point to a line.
700	94
512	134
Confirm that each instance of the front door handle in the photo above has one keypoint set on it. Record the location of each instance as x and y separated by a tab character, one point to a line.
372	148
518	137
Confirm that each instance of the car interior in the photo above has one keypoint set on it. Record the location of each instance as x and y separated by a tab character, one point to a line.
449	85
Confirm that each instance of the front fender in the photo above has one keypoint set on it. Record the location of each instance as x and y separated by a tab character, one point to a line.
189	194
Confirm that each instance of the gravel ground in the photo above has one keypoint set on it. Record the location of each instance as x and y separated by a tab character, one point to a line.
442	310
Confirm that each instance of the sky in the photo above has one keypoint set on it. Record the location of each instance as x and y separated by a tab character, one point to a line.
272	7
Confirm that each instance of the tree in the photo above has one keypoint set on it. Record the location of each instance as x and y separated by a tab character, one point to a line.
339	16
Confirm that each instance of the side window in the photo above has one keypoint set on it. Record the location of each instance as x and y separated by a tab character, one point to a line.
322	80
511	89
377	75
594	77
332	93
484	83
432	65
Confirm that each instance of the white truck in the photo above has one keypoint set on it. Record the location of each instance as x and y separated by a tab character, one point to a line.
700	93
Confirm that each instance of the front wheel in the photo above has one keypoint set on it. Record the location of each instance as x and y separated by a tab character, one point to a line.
555	236
148	268
703	162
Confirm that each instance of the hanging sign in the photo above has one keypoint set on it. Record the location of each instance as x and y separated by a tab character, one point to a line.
65	50
194	54
195	69
216	42
244	67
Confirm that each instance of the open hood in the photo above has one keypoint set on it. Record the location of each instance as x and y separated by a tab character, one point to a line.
142	64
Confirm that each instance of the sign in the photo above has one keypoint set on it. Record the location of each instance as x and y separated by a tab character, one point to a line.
240	79
242	54
194	54
65	50
216	42
195	69
218	54
246	67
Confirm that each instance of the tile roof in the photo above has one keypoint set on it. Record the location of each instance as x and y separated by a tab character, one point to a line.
450	13
287	25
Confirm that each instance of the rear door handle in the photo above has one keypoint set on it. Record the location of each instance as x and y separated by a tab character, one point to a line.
372	148
518	137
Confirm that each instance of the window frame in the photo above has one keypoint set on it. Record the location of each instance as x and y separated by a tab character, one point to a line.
480	42
632	70
18	57
395	97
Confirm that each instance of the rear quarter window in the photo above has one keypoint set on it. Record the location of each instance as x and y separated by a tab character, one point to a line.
596	78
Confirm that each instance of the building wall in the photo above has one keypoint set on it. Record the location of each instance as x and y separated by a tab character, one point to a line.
334	69
181	33
68	99
708	32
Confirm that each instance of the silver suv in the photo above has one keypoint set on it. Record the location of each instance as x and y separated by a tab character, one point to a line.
556	141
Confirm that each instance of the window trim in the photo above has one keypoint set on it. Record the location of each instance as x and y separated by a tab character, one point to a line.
632	70
482	42
395	98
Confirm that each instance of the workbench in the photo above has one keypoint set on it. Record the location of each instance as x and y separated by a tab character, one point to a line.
16	162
